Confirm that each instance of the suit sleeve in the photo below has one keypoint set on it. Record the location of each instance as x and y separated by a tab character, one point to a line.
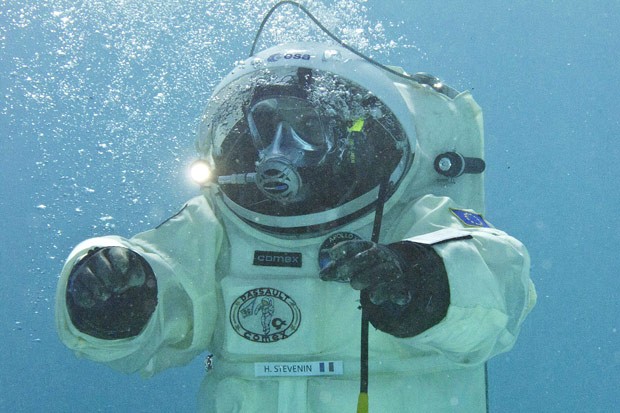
183	254
488	276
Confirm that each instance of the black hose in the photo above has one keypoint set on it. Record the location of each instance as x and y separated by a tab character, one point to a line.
376	231
327	32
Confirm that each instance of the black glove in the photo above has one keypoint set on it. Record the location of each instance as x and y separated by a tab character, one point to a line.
369	266
111	293
406	283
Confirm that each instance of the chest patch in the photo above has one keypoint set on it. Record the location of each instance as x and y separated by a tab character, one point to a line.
329	242
277	259
265	315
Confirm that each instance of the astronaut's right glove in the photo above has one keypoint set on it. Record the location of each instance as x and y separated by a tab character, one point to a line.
111	293
404	285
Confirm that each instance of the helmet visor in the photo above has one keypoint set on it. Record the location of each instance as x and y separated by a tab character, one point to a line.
347	142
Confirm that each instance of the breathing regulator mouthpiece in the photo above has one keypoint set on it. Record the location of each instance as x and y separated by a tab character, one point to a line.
275	177
278	179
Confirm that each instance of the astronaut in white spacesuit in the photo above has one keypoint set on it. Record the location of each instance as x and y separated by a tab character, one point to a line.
310	147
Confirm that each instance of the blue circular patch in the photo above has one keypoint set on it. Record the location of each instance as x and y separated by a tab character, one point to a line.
329	242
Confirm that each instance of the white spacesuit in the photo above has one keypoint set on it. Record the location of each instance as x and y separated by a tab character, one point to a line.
302	140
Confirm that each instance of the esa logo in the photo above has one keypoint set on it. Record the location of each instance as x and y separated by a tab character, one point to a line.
288	56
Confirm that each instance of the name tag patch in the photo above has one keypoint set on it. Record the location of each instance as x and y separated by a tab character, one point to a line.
277	259
299	368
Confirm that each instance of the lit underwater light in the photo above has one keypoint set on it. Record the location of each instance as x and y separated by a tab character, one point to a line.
200	172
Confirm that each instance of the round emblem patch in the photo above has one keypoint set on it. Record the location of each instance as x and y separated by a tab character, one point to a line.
329	242
265	315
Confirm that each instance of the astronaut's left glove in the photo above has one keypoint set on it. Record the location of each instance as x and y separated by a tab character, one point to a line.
404	285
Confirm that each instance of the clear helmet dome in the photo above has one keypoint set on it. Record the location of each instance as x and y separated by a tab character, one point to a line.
310	128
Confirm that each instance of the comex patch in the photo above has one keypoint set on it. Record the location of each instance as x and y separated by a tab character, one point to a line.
470	219
265	315
277	259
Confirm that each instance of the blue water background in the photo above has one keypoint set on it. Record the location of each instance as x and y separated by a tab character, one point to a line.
99	101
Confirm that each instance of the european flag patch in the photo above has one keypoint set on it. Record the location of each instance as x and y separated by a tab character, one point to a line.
470	219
